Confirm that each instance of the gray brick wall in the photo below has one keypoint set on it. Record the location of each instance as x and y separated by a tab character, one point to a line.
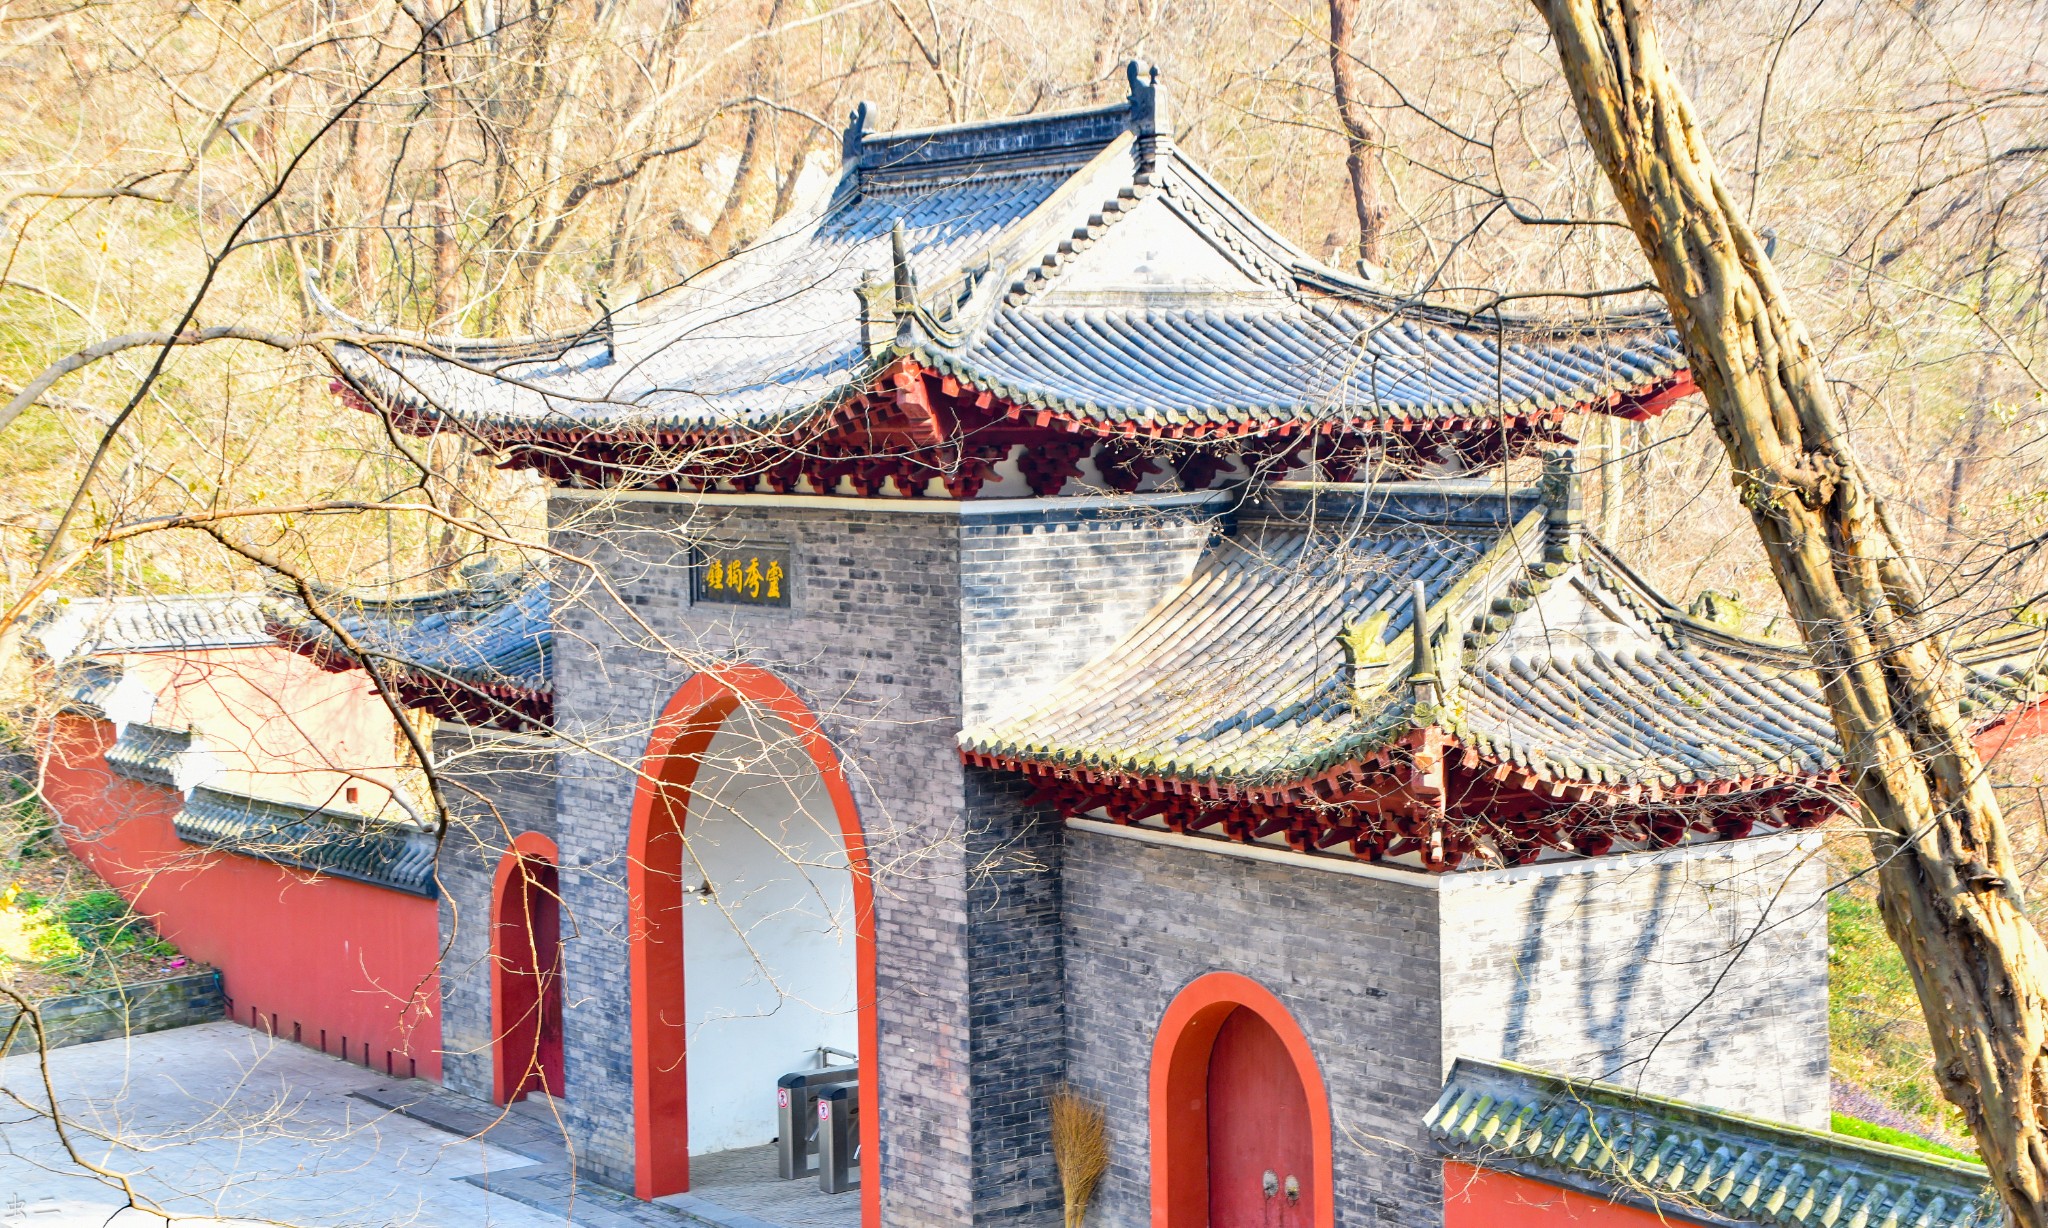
1016	997
496	788
871	642
1045	592
1354	960
1012	950
899	623
1699	973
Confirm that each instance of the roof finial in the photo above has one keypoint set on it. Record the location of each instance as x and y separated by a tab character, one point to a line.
877	320
857	127
906	286
1565	500
1422	674
1150	115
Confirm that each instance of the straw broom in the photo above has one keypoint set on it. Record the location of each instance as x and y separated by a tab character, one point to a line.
1080	1148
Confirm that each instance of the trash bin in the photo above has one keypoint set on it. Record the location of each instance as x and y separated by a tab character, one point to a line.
839	1138
796	1117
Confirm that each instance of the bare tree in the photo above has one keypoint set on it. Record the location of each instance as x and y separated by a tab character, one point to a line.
1361	135
1949	891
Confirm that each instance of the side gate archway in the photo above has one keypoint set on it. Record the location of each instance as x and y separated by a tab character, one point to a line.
1238	1111
658	896
526	971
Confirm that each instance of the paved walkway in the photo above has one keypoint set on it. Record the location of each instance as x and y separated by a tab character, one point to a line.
225	1124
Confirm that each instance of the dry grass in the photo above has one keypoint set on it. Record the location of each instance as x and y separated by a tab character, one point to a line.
1080	1147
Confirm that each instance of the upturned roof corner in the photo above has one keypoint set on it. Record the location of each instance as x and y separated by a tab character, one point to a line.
1061	278
1577	709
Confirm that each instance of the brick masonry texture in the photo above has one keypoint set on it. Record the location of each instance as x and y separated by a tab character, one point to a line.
1354	960
899	623
496	788
871	642
1698	973
1016	1000
1013	951
1042	594
126	1010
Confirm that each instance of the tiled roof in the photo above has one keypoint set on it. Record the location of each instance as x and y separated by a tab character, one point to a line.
103	690
1289	654
1240	674
775	331
71	627
1696	1163
174	758
340	843
485	649
1076	263
1224	366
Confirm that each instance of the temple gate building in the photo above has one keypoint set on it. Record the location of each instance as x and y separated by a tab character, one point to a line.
1024	622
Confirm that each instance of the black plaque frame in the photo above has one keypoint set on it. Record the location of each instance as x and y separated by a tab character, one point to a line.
756	574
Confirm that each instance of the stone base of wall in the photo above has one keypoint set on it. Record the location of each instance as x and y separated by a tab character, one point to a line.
125	1010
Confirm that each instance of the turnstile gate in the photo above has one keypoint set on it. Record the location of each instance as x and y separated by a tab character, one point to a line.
799	1121
839	1138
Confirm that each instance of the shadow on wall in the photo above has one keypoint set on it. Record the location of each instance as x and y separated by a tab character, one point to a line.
1698	973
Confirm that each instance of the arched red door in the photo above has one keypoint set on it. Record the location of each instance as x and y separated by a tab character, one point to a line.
1236	1094
1261	1142
526	948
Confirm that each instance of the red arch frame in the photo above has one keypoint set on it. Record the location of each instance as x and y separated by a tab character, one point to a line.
526	844
1180	1094
661	1106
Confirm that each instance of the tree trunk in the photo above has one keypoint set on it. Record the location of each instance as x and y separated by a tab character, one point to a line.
447	267
1361	135
1946	883
720	238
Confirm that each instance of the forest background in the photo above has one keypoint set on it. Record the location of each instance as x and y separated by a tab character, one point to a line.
196	198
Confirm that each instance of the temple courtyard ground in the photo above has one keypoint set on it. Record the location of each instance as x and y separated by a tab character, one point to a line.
224	1124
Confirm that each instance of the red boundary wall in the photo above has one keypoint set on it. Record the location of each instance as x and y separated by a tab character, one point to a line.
1480	1198
333	964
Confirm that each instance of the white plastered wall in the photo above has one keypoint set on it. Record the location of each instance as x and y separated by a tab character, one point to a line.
769	953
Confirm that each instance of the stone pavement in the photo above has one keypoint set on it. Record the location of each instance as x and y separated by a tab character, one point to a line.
225	1124
731	1189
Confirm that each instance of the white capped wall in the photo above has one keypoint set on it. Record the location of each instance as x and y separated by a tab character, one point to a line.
769	971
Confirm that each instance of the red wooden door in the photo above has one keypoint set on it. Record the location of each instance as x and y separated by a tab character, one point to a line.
544	908
529	966
1261	1150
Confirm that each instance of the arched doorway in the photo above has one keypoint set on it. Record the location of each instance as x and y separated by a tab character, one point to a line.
1240	1118
751	928
526	971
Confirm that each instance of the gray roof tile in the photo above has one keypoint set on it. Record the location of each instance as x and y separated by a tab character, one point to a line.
174	758
1012	232
326	840
69	627
1240	679
481	653
1679	1159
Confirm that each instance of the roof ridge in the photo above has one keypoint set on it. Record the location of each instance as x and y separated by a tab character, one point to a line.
331	840
1022	252
1028	280
1483	1077
1144	112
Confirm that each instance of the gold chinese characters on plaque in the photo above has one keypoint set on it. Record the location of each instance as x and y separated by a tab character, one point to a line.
741	575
